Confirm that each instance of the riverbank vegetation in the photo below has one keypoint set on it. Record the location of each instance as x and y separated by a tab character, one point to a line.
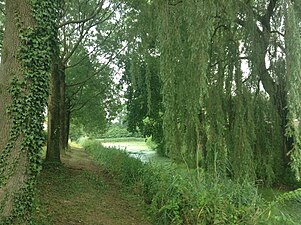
221	95
178	195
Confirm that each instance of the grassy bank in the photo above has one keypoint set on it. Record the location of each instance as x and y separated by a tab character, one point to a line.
59	191
180	197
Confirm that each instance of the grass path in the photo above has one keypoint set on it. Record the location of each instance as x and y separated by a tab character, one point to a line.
80	192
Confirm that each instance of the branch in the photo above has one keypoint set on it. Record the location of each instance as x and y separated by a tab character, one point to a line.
86	102
265	19
2	10
85	31
281	47
98	71
277	32
76	92
217	28
65	45
94	49
93	15
86	56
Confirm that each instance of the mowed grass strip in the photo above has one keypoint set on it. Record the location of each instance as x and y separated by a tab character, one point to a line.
81	192
64	196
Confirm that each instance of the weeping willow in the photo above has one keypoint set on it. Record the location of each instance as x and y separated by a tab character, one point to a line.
144	99
229	73
183	66
293	46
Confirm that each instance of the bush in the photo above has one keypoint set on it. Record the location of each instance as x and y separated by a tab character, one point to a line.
119	131
150	143
158	147
179	197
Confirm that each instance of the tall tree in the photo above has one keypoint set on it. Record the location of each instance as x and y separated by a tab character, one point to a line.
293	73
81	24
26	57
229	84
91	94
141	76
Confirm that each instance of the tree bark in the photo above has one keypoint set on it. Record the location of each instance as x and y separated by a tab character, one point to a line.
277	91
57	142
63	113
54	102
10	66
23	93
68	117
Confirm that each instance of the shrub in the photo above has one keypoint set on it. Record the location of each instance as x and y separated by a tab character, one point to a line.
150	143
119	131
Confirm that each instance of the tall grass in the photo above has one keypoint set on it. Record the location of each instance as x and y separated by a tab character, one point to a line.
180	197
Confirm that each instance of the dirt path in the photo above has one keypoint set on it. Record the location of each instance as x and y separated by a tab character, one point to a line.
82	193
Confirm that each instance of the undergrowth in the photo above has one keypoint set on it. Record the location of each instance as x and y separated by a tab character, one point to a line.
180	197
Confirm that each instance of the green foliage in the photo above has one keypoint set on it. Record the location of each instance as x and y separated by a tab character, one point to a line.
226	87
284	209
183	67
91	95
89	39
151	144
118	131
128	168
178	196
76	132
141	76
293	43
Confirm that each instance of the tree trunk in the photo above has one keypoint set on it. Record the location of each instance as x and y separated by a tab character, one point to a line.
280	102
63	112
68	117
23	96
11	67
277	91
54	102
57	112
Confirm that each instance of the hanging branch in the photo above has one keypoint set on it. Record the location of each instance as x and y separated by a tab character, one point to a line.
174	3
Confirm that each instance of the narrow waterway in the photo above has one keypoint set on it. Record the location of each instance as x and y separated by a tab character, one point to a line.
137	149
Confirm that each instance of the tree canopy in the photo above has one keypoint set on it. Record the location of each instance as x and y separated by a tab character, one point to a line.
229	72
92	97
